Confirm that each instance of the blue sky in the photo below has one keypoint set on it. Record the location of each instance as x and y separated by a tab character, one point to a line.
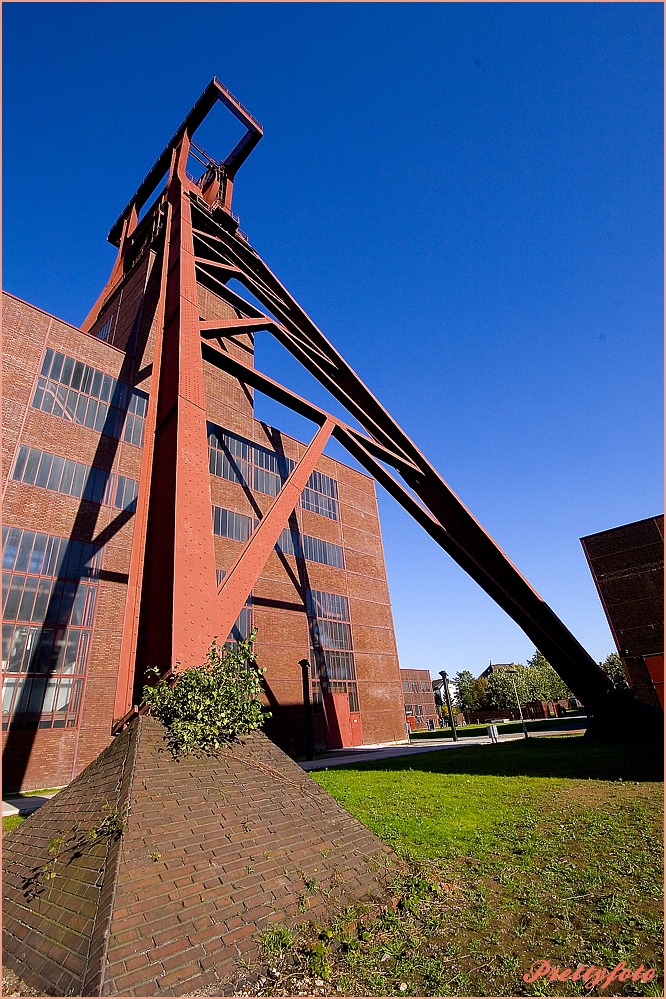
466	198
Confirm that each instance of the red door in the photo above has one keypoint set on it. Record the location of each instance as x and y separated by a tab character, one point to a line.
356	730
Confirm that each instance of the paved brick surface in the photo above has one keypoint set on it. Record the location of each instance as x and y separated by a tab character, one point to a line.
214	849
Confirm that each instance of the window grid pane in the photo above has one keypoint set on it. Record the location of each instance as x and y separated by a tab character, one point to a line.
72	478
243	625
238	527
95	400
331	652
48	614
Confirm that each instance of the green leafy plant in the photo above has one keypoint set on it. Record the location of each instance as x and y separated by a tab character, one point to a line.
56	846
275	940
206	706
320	962
112	825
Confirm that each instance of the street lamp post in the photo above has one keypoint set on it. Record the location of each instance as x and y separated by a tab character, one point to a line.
513	672
447	693
307	707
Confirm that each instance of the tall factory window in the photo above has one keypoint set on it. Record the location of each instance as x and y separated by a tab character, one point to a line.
303	546
228	524
72	478
49	592
103	331
240	460
243	624
81	394
270	470
331	653
230	457
321	496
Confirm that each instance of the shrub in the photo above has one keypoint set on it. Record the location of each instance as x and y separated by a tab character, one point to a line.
205	706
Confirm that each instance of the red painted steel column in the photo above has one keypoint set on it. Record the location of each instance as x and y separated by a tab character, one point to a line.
237	584
655	667
179	601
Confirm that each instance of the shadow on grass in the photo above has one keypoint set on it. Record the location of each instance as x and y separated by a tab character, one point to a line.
572	757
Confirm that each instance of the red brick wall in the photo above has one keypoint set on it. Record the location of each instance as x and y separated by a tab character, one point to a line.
52	757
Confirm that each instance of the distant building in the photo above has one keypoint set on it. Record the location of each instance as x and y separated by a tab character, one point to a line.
627	565
417	692
493	668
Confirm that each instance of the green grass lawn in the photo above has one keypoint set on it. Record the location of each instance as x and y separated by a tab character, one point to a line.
10	822
504	728
549	848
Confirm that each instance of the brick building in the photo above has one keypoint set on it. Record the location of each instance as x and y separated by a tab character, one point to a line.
627	565
419	698
74	411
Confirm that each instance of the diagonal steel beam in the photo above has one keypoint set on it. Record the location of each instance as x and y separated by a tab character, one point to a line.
495	572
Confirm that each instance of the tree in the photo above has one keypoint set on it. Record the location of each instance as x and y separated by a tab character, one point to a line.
471	691
543	682
500	692
613	668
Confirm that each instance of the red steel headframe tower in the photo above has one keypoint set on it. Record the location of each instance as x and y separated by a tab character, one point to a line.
174	606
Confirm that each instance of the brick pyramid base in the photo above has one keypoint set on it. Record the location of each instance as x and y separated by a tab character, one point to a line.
213	850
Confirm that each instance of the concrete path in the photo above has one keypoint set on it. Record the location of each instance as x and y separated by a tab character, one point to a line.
342	757
24	806
366	754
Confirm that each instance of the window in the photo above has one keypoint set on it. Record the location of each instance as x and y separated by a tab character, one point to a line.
243	624
321	496
49	594
103	331
229	456
76	392
228	524
302	546
238	527
72	478
240	460
331	649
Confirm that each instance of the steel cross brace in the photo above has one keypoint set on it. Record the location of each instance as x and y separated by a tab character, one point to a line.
237	584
